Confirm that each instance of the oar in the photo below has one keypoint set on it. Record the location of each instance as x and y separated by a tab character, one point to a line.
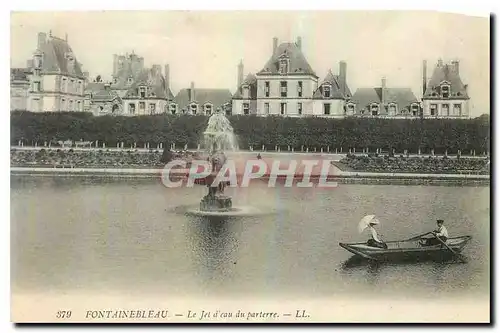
451	250
419	236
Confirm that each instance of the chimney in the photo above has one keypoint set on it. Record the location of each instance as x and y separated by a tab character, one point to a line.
456	66
275	44
299	42
167	77
192	96
156	69
240	74
440	63
343	75
424	76
383	91
42	38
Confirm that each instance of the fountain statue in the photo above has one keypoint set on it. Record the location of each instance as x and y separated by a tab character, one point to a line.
218	138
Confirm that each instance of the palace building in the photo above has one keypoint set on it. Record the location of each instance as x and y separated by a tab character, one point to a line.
384	102
288	86
56	79
444	95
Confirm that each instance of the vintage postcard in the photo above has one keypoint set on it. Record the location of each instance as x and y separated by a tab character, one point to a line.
250	167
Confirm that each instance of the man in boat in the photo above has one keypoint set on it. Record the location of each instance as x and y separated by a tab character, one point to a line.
441	233
375	241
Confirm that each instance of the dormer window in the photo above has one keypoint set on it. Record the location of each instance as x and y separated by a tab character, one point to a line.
130	80
374	108
326	91
445	91
284	66
208	109
246	91
115	80
37	60
194	108
173	108
392	109
350	108
414	109
142	91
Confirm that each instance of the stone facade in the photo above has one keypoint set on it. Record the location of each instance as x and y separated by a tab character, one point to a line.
445	95
56	80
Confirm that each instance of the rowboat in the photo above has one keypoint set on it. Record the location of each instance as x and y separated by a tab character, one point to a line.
408	250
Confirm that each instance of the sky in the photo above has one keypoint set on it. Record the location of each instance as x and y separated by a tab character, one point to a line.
206	47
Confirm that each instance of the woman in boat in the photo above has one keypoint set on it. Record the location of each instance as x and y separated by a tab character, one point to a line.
441	233
375	241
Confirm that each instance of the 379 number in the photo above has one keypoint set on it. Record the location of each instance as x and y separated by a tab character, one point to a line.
63	314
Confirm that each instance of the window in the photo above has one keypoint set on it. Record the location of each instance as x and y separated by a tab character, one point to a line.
79	106
142	92
299	89
142	107
63	84
457	109
228	111
283	108
63	104
350	108
80	86
326	91
38	61
284	66
131	108
433	109
173	108
208	109
299	108
326	108
152	108
72	87
36	86
115	80
266	108
35	104
283	90
130	80
414	109
246	92
445	108
374	109
392	109
445	91
267	88
246	108
194	108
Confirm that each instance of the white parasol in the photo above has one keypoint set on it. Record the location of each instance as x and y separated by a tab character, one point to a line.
365	221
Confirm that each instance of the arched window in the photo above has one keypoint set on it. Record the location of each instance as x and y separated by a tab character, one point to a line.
193	108
208	109
374	109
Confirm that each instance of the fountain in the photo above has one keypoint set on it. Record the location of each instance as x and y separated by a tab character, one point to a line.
218	138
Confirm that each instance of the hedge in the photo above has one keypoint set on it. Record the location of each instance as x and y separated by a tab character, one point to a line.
298	133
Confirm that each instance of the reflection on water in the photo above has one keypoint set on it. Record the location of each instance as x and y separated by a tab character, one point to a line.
79	233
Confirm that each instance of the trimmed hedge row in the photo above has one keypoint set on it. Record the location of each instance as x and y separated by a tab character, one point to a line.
311	132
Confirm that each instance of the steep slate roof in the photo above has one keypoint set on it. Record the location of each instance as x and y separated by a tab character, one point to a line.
99	93
154	81
338	90
401	96
251	81
217	97
55	52
298	62
19	74
446	73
